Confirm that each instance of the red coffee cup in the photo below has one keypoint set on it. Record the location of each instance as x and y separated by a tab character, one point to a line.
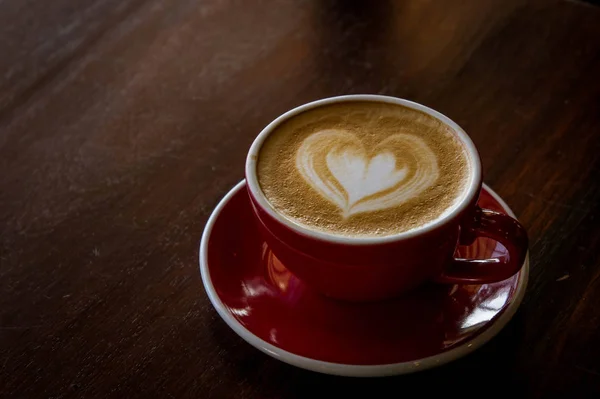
375	268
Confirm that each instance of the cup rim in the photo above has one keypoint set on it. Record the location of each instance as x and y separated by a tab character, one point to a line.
470	192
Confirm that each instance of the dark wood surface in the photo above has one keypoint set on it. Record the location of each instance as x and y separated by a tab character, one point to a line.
123	122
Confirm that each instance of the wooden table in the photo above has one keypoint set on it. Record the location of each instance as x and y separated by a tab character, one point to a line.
123	122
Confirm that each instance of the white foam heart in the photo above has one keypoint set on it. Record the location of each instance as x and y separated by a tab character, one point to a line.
336	164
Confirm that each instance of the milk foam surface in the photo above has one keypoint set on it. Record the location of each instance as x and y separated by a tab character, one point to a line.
362	169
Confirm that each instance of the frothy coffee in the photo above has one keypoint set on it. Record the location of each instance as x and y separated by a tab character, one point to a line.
362	169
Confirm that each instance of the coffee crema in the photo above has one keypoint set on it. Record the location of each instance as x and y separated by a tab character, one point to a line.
362	169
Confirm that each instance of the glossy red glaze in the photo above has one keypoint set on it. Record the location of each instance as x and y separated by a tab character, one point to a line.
361	272
258	290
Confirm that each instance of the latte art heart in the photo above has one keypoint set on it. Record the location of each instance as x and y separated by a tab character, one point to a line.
338	166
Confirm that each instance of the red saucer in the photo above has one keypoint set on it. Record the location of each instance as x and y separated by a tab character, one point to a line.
274	311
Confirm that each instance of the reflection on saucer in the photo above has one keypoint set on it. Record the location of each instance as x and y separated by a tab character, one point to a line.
482	248
279	276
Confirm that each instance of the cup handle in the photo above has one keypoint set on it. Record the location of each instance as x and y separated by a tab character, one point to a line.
501	228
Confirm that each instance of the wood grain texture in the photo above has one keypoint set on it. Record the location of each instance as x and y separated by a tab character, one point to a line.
122	124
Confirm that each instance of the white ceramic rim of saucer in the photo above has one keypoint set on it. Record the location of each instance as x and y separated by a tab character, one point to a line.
471	190
350	370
